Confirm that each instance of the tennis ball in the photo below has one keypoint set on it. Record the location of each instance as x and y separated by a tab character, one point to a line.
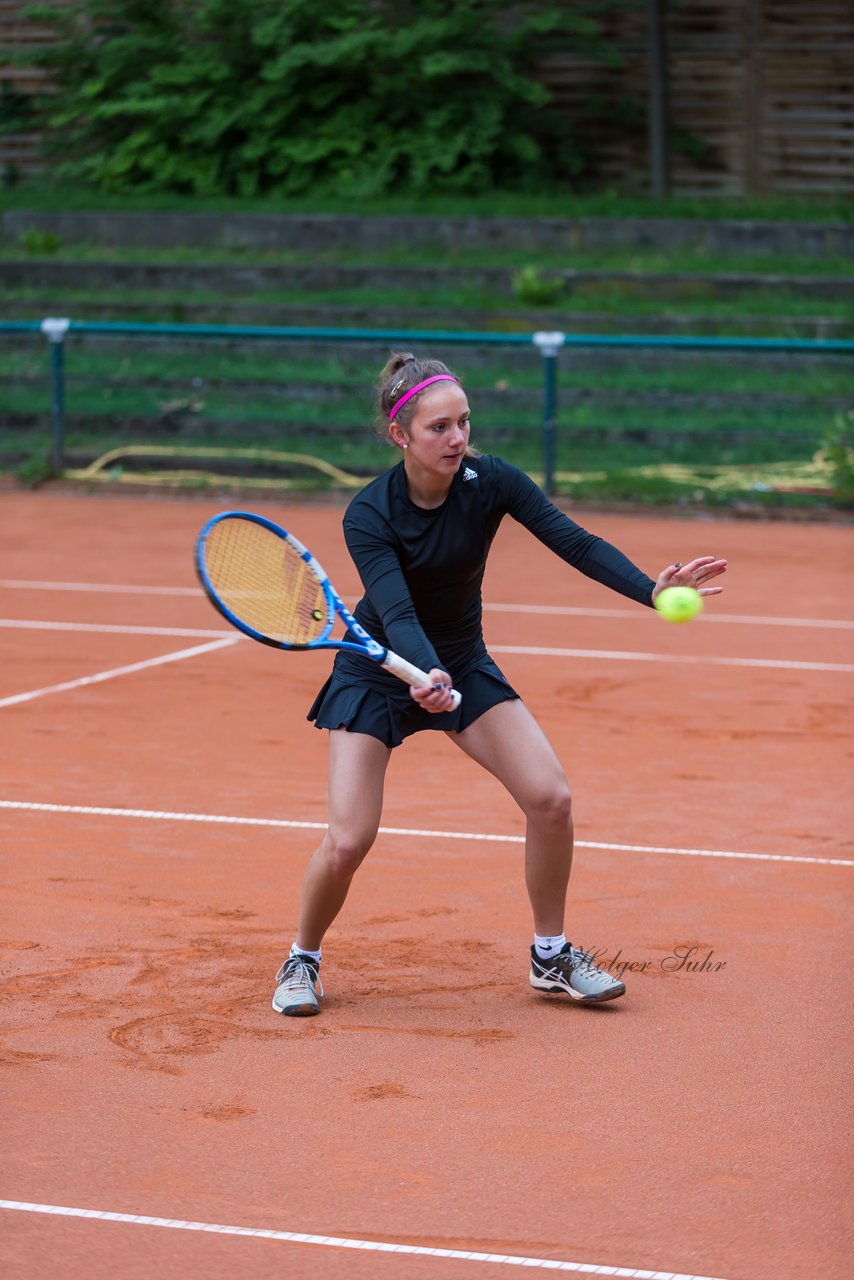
679	604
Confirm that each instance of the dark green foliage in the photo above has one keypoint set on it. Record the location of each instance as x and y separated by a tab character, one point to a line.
839	451
533	289
39	243
281	97
15	110
35	470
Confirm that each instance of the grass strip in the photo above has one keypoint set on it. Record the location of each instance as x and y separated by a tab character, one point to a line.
628	300
41	194
624	371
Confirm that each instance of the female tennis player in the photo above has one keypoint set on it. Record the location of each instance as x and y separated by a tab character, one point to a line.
420	536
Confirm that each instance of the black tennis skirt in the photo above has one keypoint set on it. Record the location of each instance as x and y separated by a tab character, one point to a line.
379	704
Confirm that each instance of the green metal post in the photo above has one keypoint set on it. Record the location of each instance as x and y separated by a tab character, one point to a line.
55	331
548	345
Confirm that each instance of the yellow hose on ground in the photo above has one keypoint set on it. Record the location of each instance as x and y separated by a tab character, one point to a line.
103	468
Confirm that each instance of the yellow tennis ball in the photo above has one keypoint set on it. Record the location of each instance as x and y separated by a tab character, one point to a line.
679	604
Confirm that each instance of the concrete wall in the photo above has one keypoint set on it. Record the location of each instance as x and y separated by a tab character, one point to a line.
326	232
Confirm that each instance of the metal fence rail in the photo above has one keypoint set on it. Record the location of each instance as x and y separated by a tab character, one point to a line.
57	329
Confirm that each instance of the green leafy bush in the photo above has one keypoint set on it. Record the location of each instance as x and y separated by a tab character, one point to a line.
39	243
35	470
534	289
259	97
839	452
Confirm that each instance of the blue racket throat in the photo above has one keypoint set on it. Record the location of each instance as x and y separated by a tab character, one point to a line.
265	582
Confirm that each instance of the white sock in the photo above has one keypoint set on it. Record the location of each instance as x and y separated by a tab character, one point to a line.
547	948
301	951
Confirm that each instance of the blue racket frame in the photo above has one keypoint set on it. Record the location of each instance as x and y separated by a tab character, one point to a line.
367	646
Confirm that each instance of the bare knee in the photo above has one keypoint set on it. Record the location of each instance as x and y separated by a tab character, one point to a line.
551	805
344	852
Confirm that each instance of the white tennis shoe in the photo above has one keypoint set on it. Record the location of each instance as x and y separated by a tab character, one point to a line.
572	972
299	988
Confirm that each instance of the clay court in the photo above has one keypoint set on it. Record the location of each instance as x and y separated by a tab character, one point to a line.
161	793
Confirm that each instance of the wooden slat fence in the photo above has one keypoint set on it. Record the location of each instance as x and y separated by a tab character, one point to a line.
761	96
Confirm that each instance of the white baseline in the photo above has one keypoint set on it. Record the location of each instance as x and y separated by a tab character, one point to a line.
157	815
343	1242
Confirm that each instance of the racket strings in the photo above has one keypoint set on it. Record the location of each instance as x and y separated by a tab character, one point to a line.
265	582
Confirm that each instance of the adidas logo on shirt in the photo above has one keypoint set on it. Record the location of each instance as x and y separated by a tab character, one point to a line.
468	474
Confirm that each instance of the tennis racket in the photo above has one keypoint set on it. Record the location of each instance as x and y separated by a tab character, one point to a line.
268	585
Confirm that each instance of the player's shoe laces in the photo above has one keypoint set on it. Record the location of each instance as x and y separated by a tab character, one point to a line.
299	988
572	972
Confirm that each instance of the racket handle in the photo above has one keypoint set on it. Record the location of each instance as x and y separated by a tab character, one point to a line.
413	675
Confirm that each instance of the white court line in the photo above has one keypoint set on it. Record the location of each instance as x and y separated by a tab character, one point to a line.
28	624
112	588
158	815
556	610
571	611
618	655
607	655
343	1242
118	671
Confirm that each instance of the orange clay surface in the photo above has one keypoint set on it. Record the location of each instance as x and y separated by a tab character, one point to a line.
694	1127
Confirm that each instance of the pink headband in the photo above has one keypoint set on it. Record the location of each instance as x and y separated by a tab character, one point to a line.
419	386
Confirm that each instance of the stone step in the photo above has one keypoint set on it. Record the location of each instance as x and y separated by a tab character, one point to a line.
320	232
246	281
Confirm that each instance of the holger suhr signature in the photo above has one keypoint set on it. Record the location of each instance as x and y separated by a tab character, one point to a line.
682	959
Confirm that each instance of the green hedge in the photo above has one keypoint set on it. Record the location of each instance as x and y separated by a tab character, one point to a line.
282	97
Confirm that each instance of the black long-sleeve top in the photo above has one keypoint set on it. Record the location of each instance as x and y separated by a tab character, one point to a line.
422	569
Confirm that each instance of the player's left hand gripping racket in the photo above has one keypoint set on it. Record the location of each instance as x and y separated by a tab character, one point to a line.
267	584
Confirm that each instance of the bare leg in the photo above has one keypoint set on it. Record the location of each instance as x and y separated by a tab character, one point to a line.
510	744
357	767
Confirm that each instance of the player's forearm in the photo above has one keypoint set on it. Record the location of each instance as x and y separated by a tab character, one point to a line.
407	637
585	551
389	597
606	564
